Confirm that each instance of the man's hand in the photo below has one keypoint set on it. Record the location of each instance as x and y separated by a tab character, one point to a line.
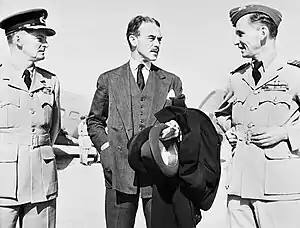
172	131
231	137
268	136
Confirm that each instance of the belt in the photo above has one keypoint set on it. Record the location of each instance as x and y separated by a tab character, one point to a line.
244	133
32	140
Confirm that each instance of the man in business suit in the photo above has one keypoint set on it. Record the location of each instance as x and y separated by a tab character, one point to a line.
29	125
128	97
260	118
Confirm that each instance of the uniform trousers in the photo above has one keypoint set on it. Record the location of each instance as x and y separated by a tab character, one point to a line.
37	215
251	213
121	208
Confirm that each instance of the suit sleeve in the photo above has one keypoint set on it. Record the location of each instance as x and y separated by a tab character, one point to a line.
177	86
224	111
96	121
56	115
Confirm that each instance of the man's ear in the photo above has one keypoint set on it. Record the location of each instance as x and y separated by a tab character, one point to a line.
18	40
264	32
133	40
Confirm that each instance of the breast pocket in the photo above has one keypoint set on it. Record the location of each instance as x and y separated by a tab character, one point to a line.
46	102
277	104
238	107
9	112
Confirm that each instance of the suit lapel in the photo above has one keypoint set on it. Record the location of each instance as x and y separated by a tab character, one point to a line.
121	94
161	86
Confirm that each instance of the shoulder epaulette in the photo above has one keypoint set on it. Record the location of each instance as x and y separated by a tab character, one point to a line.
45	71
294	63
242	67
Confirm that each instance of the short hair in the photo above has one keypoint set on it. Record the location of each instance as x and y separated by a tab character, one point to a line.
10	37
265	20
135	23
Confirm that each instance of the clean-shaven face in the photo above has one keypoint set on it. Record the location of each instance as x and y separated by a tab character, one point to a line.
34	44
248	37
148	42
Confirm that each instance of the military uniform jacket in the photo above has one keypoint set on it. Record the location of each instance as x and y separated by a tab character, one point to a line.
29	124
127	110
264	173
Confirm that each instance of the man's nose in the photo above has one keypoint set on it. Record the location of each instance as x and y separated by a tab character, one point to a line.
157	42
45	44
236	40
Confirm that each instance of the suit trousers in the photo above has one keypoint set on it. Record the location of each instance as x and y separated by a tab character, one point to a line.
38	215
121	208
251	213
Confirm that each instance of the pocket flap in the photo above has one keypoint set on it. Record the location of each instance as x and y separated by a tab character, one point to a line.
47	153
8	152
279	151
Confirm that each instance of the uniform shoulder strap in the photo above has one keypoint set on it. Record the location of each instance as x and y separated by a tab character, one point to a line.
294	63
241	68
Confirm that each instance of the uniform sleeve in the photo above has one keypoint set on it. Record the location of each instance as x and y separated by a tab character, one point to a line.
96	121
56	115
224	111
293	125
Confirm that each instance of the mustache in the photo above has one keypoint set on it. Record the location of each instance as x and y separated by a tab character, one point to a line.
155	49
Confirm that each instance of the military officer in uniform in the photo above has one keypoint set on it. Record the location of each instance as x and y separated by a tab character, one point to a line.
260	117
29	125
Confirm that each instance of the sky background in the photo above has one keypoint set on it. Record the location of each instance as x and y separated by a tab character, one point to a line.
197	39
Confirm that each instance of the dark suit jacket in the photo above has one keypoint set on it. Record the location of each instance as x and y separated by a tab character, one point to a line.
112	107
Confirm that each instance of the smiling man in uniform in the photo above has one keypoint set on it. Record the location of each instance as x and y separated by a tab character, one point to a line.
260	118
29	125
127	98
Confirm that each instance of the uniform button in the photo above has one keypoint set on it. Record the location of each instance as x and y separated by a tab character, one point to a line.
32	112
143	98
255	92
253	108
31	94
275	99
250	125
142	106
142	121
33	130
119	147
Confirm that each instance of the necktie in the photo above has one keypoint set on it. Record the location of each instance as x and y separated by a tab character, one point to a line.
255	72
27	78
140	77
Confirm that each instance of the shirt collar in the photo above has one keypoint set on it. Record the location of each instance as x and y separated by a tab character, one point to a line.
135	63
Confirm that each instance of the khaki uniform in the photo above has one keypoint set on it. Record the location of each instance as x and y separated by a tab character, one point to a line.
29	124
85	143
271	173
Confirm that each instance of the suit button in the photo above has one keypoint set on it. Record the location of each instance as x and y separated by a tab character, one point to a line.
31	94
143	98
119	147
142	121
253	108
32	111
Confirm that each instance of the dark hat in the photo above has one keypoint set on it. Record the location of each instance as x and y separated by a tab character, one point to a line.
236	13
33	19
147	152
